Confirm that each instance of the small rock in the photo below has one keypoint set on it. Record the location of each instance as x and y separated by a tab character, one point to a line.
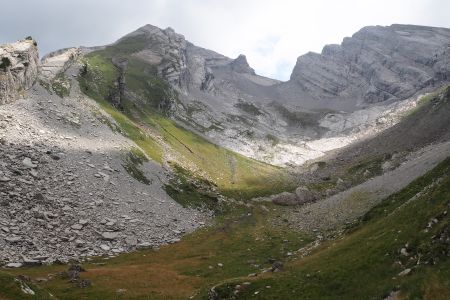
14	265
105	247
83	222
13	239
28	163
404	272
4	179
277	266
109	236
131	240
77	227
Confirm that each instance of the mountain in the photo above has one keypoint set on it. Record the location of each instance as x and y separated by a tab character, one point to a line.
336	96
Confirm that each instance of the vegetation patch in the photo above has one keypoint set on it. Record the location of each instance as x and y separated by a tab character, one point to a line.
45	85
20	287
195	192
132	164
5	63
273	139
61	85
249	108
366	167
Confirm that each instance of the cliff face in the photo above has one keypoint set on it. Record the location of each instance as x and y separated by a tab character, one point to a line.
377	64
19	63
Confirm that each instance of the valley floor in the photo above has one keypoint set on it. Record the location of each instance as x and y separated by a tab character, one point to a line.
400	248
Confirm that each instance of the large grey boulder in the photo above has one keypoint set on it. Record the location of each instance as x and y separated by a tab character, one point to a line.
285	199
301	196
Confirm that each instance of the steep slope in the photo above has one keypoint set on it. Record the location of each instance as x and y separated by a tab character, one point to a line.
72	187
145	102
427	125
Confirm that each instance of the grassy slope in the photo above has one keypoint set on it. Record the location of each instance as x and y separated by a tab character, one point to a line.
11	289
234	174
365	263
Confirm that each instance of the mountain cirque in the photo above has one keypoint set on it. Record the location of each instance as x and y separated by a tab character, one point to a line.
87	204
347	91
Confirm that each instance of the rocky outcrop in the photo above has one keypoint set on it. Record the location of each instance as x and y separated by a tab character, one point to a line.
164	48
240	65
56	62
19	63
117	94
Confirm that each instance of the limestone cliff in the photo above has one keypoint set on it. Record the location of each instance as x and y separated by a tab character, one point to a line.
377	64
19	63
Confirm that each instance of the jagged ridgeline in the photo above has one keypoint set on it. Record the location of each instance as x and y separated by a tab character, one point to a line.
134	92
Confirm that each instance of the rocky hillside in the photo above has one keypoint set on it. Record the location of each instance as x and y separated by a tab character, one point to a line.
18	68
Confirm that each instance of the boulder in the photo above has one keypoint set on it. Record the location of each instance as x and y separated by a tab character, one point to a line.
109	235
304	195
286	199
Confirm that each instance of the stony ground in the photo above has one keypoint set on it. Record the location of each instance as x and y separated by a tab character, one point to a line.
64	192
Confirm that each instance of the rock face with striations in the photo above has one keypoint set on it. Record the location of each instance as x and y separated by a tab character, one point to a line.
19	63
377	64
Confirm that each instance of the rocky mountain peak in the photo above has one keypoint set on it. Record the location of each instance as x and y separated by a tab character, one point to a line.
241	65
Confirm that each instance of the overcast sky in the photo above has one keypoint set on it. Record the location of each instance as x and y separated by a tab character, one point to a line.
272	34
